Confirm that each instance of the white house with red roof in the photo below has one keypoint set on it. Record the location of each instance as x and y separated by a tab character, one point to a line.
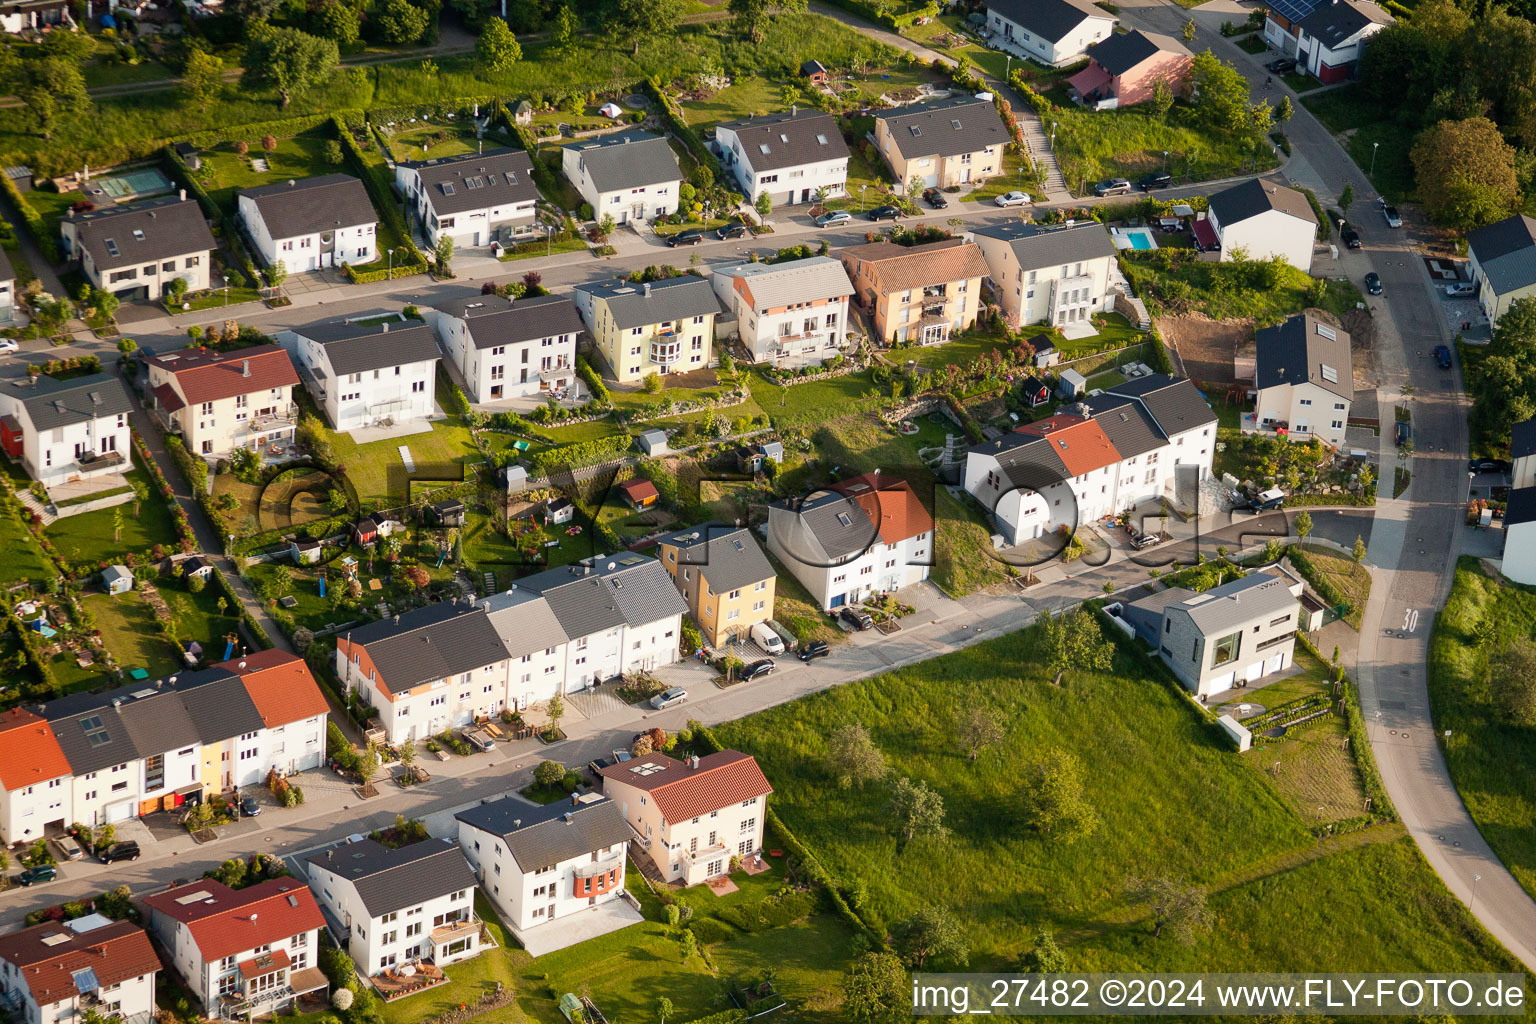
34	778
222	400
241	951
291	707
52	973
691	817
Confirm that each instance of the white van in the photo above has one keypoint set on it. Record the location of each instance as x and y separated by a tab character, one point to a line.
764	636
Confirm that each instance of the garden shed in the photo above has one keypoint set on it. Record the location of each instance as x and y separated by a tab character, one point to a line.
116	579
1071	384
652	442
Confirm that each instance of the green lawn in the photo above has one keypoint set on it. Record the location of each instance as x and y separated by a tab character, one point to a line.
466	980
1351	578
452	139
93	537
1223	290
24	559
1171	796
198	617
1490	759
804	405
376	470
225	172
1378	143
130	632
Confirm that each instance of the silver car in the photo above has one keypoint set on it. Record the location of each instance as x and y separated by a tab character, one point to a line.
831	220
1013	199
667	698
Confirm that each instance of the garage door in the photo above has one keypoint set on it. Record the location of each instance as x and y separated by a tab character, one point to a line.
120	811
1276	663
1255	670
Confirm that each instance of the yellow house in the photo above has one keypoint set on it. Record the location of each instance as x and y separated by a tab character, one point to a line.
944	143
726	580
659	327
917	295
220	401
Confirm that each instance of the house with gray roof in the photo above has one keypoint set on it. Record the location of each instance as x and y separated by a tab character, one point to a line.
540	866
790	156
1305	381
1053	32
400	906
631	176
1049	275
943	142
66	430
723	575
508	349
367	371
135	250
652	327
1260	219
310	223
1501	259
474	199
789	314
1226	637
1325	36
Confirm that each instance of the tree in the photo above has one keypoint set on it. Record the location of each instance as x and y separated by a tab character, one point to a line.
1465	173
875	990
688	944
1044	957
555	711
1051	795
1284	110
497	48
933	933
854	758
140	494
1358	552
1074	640
269	143
663	1009
1346	197
1189	31
564	34
252	11
202	78
1302	525
337	22
789	96
399	21
752	16
1162	100
549	773
52	88
117	523
105	303
287	60
369	763
1221	98
917	810
642	18
1175	906
1512	673
979	729
443	254
277	273
764	203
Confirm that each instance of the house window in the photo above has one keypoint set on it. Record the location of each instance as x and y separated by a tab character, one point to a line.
1226	648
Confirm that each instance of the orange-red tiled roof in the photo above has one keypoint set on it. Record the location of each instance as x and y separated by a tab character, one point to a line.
29	753
682	792
256	966
900	268
207	376
890	503
48	955
280	686
1080	444
639	490
231	921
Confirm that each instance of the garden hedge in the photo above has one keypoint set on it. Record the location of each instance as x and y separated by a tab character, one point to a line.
672	117
46	243
281	129
177	169
732	1016
579	454
1359	742
593	381
254	629
384	204
541	176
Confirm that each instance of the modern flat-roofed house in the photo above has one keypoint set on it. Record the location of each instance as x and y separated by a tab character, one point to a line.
630	176
511	348
1053	32
222	400
789	314
135	250
691	817
1261	219
1519	562
34	15
1125	68
1501	258
723	575
311	223
1056	276
790	156
399	906
1325	36
66	430
943	143
56	971
1230	635
254	950
1522	454
1305	380
474	199
920	294
363	373
657	327
541	866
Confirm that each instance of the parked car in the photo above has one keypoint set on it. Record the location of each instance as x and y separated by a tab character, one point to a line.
857	618
1140	541
1282	66
1265	501
833	219
126	850
686	238
732	231
1488	466
1153	181
1013	199
69	847
765	637
41	873
669	697
1112	187
1373	283
9	345
756	669
1461	290
1404	432
1394	219
1443	357
249	808
1351	238
480	740
814	649
934	198
886	212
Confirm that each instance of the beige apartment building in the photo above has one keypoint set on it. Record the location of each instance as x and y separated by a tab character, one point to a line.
917	295
220	401
947	142
724	577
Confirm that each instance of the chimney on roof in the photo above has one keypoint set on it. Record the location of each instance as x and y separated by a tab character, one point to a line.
647	289
567	817
291	183
794	108
245	367
693	762
183	195
575	800
385	326
517	822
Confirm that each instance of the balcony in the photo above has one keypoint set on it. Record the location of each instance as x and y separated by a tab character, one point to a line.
453	931
666	353
598	867
92	462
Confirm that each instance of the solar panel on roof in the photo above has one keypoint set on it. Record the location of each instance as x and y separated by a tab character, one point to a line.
1293	10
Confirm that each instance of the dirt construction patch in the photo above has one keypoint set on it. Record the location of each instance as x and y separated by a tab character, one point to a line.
1205	349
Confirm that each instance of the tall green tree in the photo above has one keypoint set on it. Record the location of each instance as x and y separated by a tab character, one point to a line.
1174	906
643	19
933	933
1074	640
51	87
202	79
337	21
563	35
1466	173
916	810
875	990
1051	797
398	22
752	16
1220	97
287	60
1044	957
497	49
853	757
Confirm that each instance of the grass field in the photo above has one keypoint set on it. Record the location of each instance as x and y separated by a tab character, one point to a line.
90	537
24	559
1352	579
377	472
129	631
225	172
1171	798
1490	759
1223	290
1376	139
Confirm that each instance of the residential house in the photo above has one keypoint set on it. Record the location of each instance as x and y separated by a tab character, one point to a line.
630	176
312	223
540	866
362	373
56	972
1053	32
510	348
1304	380
35	778
860	537
241	951
792	157
1137	442
1325	36
724	577
788	314
1056	276
1260	219
137	249
1125	68
7	290
1522	454
292	709
691	817
399	906
34	16
1225	637
1519	563
220	401
944	142
656	327
920	294
67	430
1501	259
474	199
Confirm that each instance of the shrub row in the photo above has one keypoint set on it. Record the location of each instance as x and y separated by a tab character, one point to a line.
177	169
672	117
1366	497
184	533
541	176
881	15
1322	584
357	164
732	1016
282	129
578	454
967	422
594	383
1324	229
46	243
709	931
31	644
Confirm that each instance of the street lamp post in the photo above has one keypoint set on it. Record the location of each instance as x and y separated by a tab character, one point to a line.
391	264
1472	907
226	289
1008	67
861	197
1165	161
1374	146
1053	136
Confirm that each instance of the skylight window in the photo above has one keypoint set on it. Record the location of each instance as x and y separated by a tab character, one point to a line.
915	129
842	517
1330	374
447	189
822	139
511	177
955	123
112	249
138	234
762	147
1327	332
95	732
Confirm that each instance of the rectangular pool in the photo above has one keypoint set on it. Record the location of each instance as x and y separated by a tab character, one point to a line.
1140	239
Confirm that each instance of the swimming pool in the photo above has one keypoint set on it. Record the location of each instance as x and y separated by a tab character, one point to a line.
1140	238
141	182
